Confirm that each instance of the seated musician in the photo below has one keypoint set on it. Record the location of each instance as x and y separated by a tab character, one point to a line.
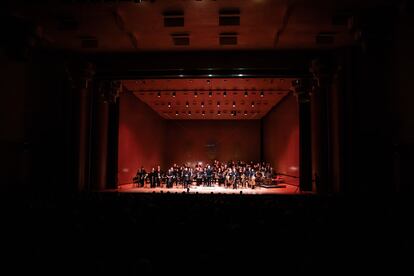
253	181
139	178
227	177
258	178
136	179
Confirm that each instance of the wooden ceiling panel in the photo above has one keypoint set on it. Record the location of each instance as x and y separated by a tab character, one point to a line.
211	99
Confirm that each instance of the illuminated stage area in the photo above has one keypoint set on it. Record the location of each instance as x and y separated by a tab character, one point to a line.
280	189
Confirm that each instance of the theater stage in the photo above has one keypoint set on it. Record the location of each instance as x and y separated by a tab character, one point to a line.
280	189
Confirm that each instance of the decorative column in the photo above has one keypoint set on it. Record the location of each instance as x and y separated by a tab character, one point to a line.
321	126
104	146
84	89
113	133
302	92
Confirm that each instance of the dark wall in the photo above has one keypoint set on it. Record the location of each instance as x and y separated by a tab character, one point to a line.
12	116
402	100
367	127
281	136
141	137
35	124
378	116
197	140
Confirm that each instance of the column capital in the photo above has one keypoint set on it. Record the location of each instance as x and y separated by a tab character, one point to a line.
302	89
322	72
87	72
80	75
109	90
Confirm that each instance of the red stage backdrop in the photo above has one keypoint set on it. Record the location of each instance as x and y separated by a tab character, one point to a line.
281	137
141	138
206	140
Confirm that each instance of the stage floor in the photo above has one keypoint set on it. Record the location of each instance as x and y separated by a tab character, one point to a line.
283	189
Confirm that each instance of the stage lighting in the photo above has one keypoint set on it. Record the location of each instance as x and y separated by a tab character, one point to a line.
262	94
195	94
232	113
218	104
187	104
203	113
219	113
158	94
245	113
234	104
252	104
224	93
210	94
176	113
189	113
173	94
245	93
169	105
202	104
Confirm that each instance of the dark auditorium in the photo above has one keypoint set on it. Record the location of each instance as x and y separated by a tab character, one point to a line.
144	137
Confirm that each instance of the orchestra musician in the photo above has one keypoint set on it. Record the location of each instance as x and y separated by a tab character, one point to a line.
253	180
158	176
187	177
170	176
139	178
153	178
209	175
